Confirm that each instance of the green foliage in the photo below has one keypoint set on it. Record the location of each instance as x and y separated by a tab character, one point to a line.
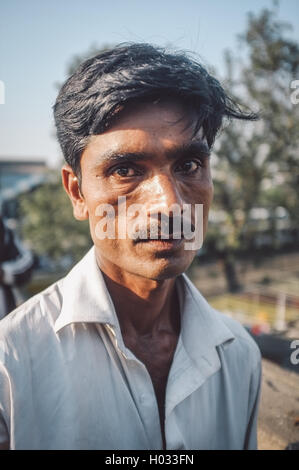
274	64
257	164
49	224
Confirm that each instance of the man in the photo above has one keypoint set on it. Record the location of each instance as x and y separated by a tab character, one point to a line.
124	352
16	263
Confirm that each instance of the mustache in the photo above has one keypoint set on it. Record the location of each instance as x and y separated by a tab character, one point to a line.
164	228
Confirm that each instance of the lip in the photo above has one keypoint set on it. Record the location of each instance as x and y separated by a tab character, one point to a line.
163	245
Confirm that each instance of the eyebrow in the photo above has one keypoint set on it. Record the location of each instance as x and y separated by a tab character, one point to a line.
193	148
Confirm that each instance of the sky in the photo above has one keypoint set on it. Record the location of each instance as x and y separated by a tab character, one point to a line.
38	38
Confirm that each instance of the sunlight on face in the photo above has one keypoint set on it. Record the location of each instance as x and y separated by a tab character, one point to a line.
150	159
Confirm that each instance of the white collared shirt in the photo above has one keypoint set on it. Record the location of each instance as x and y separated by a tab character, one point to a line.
67	380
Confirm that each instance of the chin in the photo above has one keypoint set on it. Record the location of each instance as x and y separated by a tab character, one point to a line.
160	270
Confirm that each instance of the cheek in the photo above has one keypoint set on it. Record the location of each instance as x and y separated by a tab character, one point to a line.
206	188
205	197
109	221
201	193
100	204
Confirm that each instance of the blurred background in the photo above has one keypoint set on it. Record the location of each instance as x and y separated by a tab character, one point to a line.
249	264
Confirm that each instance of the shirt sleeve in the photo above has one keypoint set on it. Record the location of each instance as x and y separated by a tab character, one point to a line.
4	405
18	262
253	409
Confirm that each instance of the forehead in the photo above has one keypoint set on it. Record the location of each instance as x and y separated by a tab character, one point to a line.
147	126
165	113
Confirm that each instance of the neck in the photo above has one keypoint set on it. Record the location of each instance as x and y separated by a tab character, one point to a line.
144	307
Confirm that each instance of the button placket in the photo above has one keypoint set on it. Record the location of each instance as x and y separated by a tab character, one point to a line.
143	390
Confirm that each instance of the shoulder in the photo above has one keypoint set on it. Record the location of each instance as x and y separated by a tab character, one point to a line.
235	345
29	322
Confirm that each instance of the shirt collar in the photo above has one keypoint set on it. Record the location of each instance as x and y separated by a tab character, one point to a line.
86	299
202	327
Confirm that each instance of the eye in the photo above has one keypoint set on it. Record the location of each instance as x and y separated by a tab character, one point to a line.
124	171
189	166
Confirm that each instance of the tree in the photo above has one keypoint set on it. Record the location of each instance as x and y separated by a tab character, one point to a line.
248	156
49	224
274	65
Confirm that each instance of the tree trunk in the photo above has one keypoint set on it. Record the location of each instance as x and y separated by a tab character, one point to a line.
229	268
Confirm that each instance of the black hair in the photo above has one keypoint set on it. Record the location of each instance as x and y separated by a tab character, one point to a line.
92	98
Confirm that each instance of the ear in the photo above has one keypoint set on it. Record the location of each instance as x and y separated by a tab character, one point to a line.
71	185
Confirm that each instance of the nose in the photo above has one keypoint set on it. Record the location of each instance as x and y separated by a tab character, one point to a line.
161	193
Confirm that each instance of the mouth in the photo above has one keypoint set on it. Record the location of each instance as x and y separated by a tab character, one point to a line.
162	242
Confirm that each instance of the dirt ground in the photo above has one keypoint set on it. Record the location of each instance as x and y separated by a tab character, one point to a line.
278	424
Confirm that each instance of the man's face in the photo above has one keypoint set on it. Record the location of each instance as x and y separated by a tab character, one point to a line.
149	157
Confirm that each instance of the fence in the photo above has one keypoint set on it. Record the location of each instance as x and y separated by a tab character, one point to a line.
263	309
